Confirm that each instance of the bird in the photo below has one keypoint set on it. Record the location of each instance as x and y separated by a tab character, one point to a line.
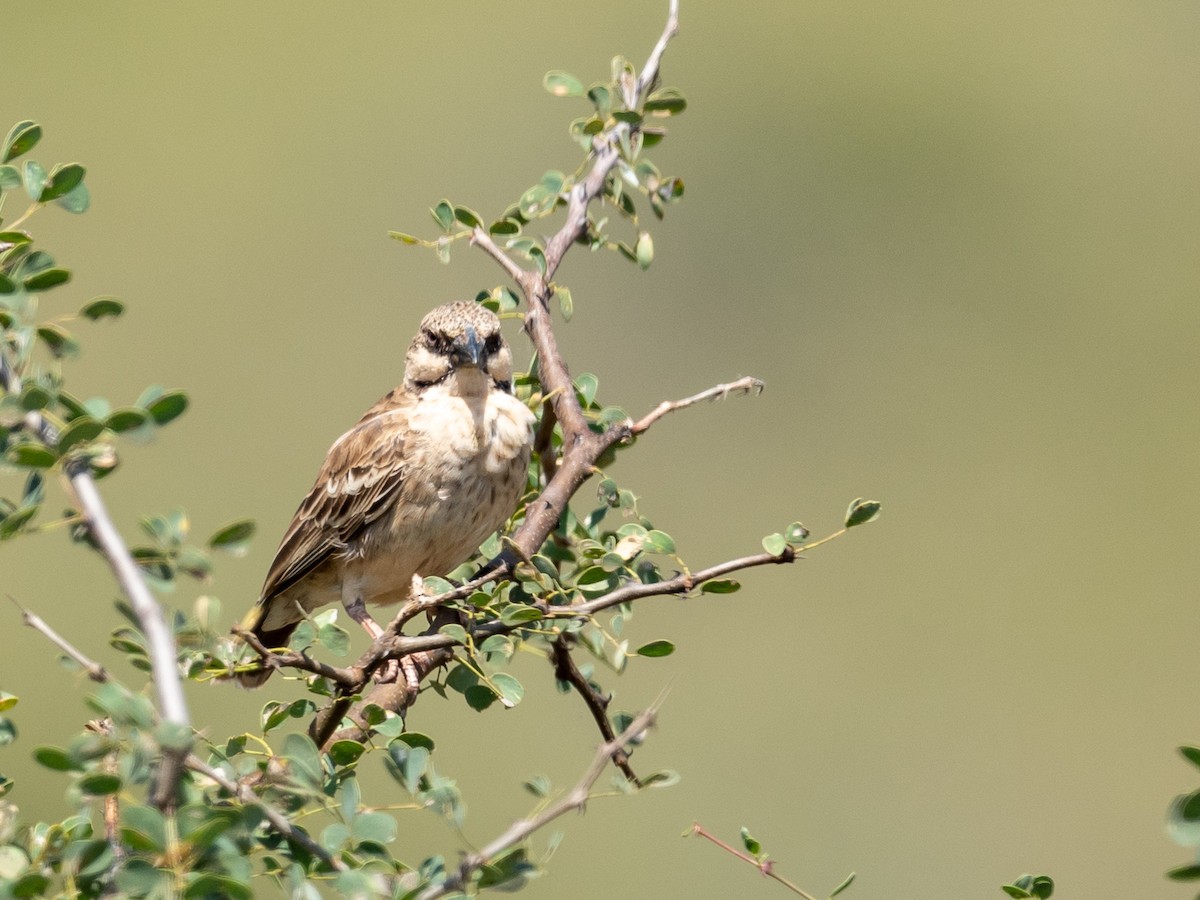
425	476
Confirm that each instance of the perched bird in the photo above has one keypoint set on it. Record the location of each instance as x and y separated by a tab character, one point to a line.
415	487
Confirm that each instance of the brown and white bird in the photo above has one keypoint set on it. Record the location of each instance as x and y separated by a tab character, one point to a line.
415	487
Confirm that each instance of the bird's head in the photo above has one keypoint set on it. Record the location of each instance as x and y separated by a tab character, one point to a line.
459	345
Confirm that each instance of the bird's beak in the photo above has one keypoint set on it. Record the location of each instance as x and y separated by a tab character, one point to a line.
468	350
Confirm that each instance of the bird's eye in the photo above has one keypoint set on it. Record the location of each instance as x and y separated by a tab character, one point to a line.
492	344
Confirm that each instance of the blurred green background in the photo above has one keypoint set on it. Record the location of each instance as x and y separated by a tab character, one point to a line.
957	241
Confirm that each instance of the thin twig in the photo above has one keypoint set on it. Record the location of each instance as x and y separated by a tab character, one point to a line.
597	704
765	866
278	821
745	385
94	670
575	799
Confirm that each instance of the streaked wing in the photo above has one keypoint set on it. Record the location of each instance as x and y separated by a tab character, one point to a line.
357	484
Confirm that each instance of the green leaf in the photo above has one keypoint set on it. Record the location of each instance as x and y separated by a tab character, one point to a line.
10	177
79	431
796	533
504	227
774	543
656	648
99	784
34	396
143	827
34	177
8	701
752	846
849	880
203	885
565	305
54	758
46	279
76	201
511	691
335	638
587	384
63	180
408	239
345	752
1013	891
234	537
32	456
58	341
720	586
862	511
562	84
127	418
1191	754
667	101
376	827
443	214
518	614
1185	873
479	697
467	217
305	760
102	307
167	407
21	138
644	251
659	542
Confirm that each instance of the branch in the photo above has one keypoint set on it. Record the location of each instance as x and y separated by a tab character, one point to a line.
575	799
94	670
161	644
597	704
745	385
764	865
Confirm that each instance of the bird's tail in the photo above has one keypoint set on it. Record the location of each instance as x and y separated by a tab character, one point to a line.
254	675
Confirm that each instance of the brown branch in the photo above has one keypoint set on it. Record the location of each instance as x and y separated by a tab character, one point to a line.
745	385
764	865
351	677
597	704
574	800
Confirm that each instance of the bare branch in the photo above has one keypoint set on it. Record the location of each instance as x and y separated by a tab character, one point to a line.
278	821
654	61
94	670
521	276
352	677
680	584
574	799
764	865
746	385
597	704
160	642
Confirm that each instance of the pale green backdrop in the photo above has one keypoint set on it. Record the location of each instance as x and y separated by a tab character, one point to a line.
957	240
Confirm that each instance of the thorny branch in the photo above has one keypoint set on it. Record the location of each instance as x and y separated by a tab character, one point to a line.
163	659
574	800
597	704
